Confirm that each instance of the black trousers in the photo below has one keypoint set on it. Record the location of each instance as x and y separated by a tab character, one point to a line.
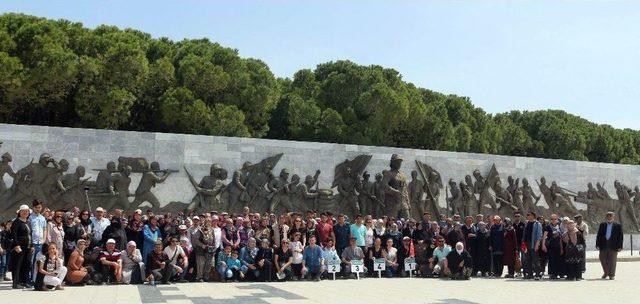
574	271
21	266
497	264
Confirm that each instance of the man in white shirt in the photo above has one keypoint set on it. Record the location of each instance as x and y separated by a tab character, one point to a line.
98	224
217	232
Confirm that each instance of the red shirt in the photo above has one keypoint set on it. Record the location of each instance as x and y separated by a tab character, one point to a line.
324	232
111	257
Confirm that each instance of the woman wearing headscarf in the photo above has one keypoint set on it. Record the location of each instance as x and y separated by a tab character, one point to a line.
509	247
459	263
134	228
573	244
480	251
394	234
77	274
552	245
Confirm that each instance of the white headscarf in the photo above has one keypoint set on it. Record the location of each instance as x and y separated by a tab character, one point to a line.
459	247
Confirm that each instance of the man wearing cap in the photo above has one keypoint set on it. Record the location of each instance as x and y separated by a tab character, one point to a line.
98	224
111	261
609	242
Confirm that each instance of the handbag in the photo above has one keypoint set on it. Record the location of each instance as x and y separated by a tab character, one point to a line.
518	263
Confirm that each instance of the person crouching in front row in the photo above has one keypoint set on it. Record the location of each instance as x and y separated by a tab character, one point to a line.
51	271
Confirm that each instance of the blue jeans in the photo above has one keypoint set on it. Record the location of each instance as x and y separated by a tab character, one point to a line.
36	248
4	264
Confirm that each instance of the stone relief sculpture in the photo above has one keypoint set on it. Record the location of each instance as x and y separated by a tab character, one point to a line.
433	184
346	180
389	192
208	190
257	196
396	192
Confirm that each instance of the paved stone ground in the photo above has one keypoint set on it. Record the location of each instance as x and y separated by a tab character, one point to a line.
482	290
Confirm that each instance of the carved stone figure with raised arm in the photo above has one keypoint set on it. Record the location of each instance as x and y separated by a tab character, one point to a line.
396	189
625	208
208	191
529	198
279	187
504	198
104	183
148	181
481	187
546	193
416	194
345	179
30	180
257	177
306	199
562	201
5	168
70	189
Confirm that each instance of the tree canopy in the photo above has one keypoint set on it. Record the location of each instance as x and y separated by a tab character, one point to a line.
60	73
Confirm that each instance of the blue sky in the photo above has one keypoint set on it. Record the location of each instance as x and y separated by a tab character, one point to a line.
579	56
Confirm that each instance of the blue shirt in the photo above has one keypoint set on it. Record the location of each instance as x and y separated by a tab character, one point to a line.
607	234
342	235
37	224
359	234
312	256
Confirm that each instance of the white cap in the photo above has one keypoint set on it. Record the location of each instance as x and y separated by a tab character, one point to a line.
111	241
214	218
99	209
182	227
138	211
23	207
128	244
196	218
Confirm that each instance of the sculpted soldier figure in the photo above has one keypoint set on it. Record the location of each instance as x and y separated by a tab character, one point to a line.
208	190
504	198
306	199
104	184
378	191
237	187
121	182
396	193
481	187
70	189
513	185
468	198
30	179
562	201
148	181
602	192
279	187
365	194
50	183
528	196
348	194
256	192
455	201
416	194
5	168
625	210
548	196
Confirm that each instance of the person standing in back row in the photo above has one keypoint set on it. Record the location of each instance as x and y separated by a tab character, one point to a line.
609	243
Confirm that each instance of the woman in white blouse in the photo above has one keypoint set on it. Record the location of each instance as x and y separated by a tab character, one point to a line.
390	255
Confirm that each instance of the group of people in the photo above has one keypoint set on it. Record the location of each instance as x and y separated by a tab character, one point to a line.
45	249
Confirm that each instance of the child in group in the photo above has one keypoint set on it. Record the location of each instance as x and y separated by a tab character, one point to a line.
233	267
